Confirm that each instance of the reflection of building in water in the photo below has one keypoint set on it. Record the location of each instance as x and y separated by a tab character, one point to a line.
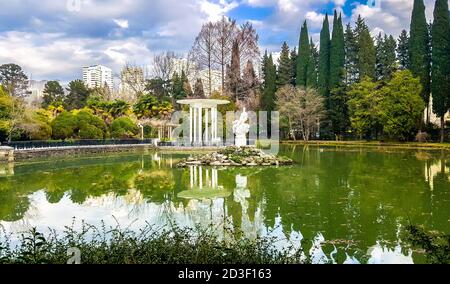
162	160
433	169
204	178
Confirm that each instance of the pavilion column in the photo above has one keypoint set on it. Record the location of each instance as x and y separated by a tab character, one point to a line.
194	123
200	126
191	128
206	125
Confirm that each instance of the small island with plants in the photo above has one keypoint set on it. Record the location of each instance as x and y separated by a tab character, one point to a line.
236	157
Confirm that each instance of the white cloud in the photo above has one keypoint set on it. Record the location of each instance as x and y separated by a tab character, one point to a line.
122	23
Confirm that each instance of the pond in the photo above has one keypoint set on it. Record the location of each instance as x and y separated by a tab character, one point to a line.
342	205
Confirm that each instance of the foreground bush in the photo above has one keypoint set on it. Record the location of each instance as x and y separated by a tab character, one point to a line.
435	245
123	128
149	246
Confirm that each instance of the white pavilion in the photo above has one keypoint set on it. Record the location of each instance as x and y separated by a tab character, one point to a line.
203	121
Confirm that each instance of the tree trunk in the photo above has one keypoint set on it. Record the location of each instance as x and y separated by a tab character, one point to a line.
443	129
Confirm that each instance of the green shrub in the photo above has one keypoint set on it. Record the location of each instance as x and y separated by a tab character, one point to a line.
123	128
90	126
64	126
149	246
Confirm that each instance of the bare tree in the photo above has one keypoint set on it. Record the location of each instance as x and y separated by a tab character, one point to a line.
133	80
203	52
248	38
302	109
225	33
164	65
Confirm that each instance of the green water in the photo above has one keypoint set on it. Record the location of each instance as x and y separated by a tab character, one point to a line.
341	205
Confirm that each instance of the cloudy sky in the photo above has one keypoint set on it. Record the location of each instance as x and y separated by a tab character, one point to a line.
53	39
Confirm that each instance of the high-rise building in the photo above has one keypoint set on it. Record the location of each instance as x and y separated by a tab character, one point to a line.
98	76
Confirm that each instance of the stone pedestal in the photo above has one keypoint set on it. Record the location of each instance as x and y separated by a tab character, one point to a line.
6	154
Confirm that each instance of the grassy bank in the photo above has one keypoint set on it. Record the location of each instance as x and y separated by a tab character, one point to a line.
149	246
431	146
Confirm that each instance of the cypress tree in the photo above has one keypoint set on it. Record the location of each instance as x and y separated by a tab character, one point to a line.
284	75
270	88
403	50
294	58
324	59
419	49
304	57
366	50
441	62
313	64
337	53
351	56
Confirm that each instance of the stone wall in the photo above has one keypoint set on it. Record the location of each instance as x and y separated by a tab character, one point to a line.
78	151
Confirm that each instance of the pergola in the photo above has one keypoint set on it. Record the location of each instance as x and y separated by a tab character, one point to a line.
203	129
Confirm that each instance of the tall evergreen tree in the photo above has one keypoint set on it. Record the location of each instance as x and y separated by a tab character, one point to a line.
270	88
386	58
351	56
78	95
366	50
313	64
441	62
304	58
419	49
284	74
324	59
403	50
294	58
233	78
337	53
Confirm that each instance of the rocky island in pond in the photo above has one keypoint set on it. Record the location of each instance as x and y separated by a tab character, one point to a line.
236	157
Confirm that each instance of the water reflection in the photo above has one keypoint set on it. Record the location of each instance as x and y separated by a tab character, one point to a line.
339	205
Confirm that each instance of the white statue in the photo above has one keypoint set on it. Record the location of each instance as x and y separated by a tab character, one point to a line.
241	128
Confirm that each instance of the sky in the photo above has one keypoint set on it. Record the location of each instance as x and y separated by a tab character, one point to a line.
54	39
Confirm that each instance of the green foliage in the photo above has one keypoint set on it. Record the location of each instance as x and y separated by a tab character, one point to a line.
338	112
78	95
366	50
124	128
436	245
14	80
324	59
401	106
79	125
441	61
90	126
386	57
351	56
64	126
269	86
305	65
149	246
284	74
6	110
403	50
419	48
337	53
159	87
149	107
53	94
393	109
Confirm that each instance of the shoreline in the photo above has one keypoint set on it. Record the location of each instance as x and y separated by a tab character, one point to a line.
23	155
376	144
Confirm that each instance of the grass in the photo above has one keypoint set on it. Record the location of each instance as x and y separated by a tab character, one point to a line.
148	246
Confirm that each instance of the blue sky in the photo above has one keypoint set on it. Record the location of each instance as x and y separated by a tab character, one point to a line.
53	39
